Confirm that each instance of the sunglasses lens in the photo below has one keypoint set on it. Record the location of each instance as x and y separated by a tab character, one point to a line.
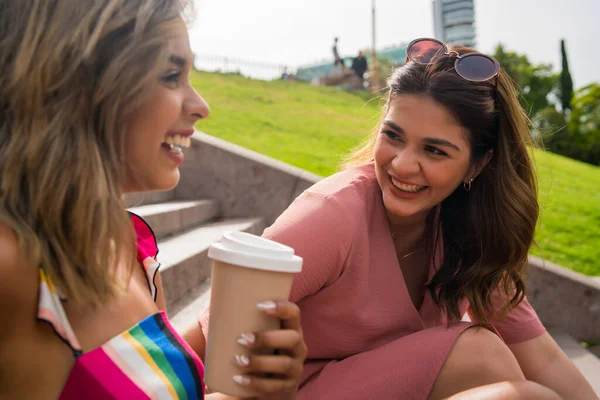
477	67
423	51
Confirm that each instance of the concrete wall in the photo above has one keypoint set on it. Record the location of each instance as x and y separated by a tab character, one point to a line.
565	299
249	184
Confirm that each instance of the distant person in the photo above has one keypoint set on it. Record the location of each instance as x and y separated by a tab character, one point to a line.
337	60
360	66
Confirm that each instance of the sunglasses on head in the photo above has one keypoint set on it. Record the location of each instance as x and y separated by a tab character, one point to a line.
475	67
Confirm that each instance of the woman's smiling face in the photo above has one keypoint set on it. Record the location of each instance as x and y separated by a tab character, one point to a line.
421	156
168	116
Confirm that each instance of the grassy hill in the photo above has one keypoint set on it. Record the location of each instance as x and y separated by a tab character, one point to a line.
314	127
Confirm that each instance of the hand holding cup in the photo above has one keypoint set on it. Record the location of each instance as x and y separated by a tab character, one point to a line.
274	375
255	345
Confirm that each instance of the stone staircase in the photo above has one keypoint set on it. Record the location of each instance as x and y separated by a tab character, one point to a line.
186	228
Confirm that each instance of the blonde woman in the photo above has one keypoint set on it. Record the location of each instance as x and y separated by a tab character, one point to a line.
95	102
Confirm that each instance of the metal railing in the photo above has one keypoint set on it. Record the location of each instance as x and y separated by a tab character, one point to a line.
248	68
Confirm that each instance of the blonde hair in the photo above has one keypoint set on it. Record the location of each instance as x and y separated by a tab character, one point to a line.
71	73
487	232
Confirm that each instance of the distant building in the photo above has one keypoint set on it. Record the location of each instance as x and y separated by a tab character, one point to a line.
454	21
309	73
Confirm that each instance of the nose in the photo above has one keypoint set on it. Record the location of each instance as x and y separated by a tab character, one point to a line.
195	106
406	162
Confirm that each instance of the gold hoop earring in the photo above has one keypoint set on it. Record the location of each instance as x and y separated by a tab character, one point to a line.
467	186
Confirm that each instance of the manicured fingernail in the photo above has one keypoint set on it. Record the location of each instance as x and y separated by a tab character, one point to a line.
241	380
241	360
246	339
267	305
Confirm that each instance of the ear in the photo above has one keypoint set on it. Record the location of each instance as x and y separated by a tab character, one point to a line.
476	168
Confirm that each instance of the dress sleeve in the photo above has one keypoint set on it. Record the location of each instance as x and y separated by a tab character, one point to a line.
521	324
319	231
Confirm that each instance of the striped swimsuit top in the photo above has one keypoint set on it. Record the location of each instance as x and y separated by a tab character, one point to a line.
148	361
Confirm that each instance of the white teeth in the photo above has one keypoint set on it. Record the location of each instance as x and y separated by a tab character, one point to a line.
407	188
174	148
177	143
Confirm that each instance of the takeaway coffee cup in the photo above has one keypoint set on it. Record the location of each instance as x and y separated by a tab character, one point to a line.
246	270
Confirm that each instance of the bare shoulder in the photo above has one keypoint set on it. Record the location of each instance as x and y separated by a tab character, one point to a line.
11	258
9	249
25	344
18	281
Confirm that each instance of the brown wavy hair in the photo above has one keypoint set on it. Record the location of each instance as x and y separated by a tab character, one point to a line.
71	74
488	231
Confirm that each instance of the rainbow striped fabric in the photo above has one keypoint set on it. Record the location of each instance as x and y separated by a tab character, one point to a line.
50	309
148	361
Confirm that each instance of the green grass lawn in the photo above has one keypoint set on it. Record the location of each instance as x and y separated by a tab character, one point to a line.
569	227
313	128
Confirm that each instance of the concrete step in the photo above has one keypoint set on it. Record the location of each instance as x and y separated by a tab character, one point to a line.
588	363
184	258
138	199
175	216
187	310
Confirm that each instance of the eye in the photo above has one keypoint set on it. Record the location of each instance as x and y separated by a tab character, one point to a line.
391	135
171	78
435	151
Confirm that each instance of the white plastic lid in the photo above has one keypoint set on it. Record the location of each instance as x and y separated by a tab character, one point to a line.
247	250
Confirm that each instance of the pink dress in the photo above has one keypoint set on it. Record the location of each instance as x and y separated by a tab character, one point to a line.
148	361
365	338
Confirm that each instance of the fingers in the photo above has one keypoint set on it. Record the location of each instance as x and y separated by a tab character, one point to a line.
284	339
276	373
268	374
266	385
289	314
286	311
269	364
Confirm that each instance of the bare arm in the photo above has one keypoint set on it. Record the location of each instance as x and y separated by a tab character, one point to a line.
25	344
544	362
10	309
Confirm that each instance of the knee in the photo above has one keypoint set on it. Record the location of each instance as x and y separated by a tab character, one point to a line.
480	352
478	358
508	391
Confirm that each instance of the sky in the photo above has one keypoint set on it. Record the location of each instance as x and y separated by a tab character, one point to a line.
299	32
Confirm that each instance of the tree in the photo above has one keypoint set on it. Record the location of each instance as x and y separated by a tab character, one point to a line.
584	123
534	82
581	140
566	83
552	125
575	134
585	114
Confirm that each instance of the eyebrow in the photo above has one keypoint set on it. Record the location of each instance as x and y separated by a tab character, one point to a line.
432	141
178	60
